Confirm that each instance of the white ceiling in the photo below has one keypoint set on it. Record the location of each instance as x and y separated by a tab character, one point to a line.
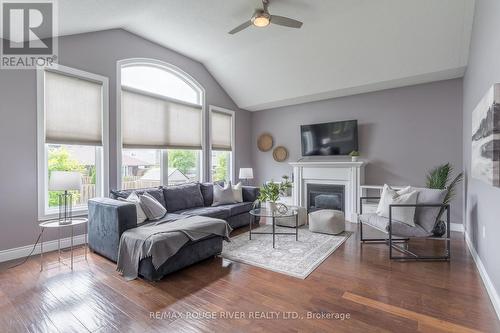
344	46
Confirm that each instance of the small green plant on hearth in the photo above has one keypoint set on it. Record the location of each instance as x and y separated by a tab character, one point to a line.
354	153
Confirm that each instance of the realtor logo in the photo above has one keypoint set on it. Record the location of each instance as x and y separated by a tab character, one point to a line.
28	30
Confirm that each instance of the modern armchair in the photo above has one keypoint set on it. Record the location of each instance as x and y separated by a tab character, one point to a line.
427	209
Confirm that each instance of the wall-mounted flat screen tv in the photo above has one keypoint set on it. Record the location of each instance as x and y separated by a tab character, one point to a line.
335	138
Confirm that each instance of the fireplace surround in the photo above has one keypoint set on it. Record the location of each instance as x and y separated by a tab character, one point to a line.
346	174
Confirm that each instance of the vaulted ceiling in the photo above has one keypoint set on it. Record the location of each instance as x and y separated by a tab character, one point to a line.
344	47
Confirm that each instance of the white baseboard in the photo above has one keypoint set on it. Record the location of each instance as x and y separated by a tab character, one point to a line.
24	251
457	227
490	288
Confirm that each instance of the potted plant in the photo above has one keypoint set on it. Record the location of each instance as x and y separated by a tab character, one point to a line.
288	191
354	155
439	178
271	192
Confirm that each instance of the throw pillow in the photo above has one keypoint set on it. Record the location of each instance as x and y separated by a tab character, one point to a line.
388	193
238	192
426	216
223	195
153	208
405	215
134	198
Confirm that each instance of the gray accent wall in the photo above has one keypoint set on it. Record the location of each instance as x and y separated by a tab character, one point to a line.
482	209
98	53
403	132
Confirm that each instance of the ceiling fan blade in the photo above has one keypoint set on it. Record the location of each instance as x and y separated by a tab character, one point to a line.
240	27
285	21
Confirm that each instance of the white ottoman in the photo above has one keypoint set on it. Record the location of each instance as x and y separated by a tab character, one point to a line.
327	221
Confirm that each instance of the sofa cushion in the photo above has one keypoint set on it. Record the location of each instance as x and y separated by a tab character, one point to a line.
182	197
155	192
426	216
207	190
239	208
220	212
169	217
398	228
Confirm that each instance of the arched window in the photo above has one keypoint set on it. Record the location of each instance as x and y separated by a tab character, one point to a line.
160	80
162	131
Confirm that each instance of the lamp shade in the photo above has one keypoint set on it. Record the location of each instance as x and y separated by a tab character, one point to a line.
65	181
246	173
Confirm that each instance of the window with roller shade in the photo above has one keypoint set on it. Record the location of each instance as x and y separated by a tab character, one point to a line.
72	134
161	127
221	144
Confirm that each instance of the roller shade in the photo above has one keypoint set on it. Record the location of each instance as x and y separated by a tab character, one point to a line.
157	122
221	130
73	110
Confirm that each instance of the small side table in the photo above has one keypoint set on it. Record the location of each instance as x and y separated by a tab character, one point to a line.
54	224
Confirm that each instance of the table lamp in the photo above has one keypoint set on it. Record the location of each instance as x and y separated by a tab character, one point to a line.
246	174
65	181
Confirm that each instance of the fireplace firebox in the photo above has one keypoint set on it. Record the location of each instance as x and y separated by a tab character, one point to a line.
325	196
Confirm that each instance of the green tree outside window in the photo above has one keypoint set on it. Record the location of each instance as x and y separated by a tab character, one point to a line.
182	160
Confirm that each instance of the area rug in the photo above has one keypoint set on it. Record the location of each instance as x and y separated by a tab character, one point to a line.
295	258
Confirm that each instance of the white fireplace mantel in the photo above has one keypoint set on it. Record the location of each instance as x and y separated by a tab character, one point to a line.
346	173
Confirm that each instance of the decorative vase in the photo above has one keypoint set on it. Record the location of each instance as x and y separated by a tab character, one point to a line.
354	158
439	229
271	206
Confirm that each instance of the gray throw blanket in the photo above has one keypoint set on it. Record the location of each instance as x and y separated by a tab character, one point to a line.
162	240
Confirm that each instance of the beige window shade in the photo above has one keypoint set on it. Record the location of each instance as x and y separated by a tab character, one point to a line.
154	122
221	131
73	110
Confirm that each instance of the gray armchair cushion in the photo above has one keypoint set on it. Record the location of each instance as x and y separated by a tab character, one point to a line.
426	216
155	192
218	212
207	190
398	228
182	197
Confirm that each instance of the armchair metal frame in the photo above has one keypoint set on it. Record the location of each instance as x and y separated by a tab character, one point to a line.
393	243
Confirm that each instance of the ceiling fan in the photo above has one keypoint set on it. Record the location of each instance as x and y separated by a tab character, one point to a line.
261	18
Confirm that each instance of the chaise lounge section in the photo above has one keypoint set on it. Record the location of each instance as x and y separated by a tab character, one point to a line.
109	218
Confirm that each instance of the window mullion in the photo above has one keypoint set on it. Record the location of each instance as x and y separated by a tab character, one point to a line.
98	170
164	167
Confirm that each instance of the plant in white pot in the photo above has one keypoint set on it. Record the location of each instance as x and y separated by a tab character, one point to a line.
354	155
271	192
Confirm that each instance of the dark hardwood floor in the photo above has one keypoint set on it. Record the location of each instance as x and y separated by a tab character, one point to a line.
377	294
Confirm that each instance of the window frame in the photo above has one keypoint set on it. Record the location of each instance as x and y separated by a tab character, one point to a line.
232	159
102	152
163	152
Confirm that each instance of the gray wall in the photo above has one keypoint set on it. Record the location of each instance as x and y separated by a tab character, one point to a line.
482	209
97	53
402	132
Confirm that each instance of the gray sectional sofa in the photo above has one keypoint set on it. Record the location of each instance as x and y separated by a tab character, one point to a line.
109	218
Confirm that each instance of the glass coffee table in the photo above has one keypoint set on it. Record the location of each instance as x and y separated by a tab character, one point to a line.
275	214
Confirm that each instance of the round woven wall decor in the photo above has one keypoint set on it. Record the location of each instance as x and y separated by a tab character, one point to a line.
265	142
280	154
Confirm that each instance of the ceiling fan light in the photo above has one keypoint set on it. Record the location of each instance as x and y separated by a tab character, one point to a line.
261	21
